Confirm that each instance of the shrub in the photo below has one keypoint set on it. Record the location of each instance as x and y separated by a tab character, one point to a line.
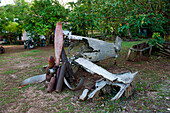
156	38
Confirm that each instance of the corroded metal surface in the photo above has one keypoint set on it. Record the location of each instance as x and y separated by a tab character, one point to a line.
94	49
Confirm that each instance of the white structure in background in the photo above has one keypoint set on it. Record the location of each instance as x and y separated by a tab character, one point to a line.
26	36
5	2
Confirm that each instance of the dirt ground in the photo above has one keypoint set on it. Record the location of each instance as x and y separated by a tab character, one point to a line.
152	92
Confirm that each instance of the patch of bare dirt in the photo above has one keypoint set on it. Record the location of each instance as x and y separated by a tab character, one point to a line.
35	98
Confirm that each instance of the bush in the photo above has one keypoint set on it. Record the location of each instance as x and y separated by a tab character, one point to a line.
156	38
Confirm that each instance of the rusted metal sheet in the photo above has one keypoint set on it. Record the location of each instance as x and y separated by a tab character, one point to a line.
58	42
95	50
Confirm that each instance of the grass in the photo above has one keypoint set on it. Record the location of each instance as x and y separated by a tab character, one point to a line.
28	55
9	72
35	51
150	85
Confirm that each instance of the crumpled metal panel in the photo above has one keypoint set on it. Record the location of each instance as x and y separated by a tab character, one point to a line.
123	77
99	86
123	80
102	83
101	49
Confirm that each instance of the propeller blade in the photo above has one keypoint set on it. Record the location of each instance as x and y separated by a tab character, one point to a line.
58	42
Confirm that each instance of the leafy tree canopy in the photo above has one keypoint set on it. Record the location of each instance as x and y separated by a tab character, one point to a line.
43	16
124	16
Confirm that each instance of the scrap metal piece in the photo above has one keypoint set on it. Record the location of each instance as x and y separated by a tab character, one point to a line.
51	85
118	43
34	79
79	86
95	69
96	50
65	60
121	91
83	96
123	77
102	83
99	85
58	42
61	78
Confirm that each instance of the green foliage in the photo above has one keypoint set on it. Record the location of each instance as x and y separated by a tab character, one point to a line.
85	17
124	16
12	27
11	20
144	14
43	16
156	38
91	15
39	17
9	72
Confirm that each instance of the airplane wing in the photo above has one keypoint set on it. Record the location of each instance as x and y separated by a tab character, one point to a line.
93	68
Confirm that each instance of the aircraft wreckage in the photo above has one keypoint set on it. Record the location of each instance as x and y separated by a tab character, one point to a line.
83	51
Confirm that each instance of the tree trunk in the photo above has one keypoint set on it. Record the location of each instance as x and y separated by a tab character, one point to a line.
128	32
47	40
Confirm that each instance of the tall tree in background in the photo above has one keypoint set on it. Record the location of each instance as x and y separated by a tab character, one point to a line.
43	16
10	17
124	16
